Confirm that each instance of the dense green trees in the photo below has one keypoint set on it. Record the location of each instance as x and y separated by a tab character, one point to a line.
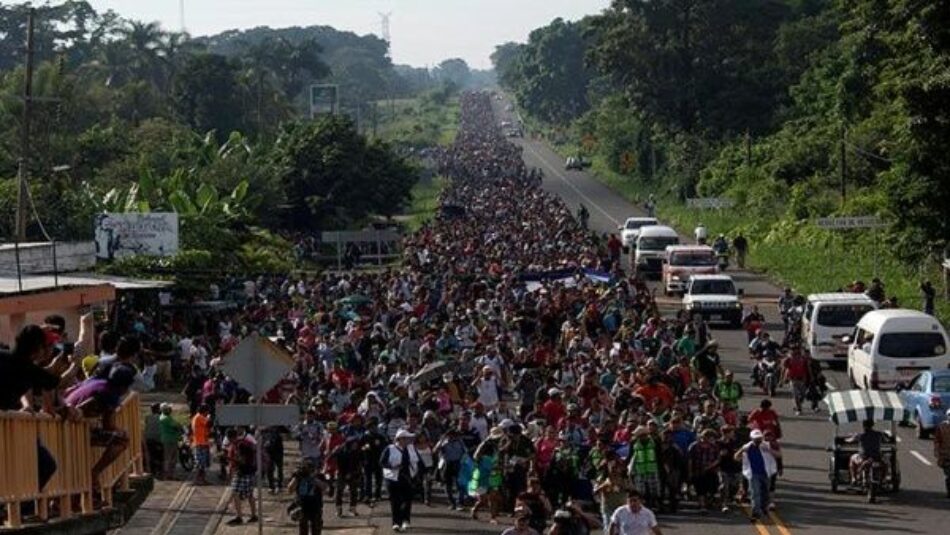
331	175
675	87
133	118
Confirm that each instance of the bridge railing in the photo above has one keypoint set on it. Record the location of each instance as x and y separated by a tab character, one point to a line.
70	489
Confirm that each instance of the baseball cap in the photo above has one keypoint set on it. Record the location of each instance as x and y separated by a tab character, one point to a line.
756	434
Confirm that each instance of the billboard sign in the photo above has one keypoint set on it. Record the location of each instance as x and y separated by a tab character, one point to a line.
153	234
324	100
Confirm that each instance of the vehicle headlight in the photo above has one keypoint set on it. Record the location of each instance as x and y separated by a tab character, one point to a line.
675	277
690	306
737	305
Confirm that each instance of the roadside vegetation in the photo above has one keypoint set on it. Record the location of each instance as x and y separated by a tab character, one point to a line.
129	117
763	103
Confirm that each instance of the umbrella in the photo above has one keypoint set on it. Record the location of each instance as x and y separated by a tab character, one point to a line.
433	370
848	406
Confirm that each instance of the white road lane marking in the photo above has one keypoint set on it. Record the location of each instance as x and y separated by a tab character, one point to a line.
569	184
921	458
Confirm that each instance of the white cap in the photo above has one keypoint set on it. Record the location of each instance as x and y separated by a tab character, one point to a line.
402	433
756	434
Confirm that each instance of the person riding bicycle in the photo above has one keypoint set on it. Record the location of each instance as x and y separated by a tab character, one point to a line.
869	450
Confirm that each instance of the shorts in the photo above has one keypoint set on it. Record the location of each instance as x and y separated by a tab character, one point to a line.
647	484
242	486
104	438
202	457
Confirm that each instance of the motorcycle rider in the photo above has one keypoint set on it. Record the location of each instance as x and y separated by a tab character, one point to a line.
701	234
721	248
869	449
760	347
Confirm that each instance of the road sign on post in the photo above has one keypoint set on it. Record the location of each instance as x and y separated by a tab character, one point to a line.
324	100
257	364
705	203
855	222
844	223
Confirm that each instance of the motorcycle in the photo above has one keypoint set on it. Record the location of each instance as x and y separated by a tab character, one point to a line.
768	375
723	261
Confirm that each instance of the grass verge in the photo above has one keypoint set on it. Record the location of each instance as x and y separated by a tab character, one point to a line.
425	202
788	253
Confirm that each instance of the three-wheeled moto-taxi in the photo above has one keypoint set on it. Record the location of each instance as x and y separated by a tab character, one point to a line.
850	408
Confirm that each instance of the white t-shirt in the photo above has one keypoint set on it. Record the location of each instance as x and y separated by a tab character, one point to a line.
630	523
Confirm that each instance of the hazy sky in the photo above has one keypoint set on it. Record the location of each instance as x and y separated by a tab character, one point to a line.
424	32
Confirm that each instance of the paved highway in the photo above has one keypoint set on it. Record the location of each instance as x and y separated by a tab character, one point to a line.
805	502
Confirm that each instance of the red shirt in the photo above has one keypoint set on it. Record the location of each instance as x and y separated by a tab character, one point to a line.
797	368
658	395
765	420
553	411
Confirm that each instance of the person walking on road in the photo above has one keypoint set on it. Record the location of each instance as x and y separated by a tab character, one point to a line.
633	518
201	442
758	467
928	293
942	449
309	487
400	466
741	245
701	234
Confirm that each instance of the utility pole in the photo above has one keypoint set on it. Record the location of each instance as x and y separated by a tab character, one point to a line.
21	219
844	168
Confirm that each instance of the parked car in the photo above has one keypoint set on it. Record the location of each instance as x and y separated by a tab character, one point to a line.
928	397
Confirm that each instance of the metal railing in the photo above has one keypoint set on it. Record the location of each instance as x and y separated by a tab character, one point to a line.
69	444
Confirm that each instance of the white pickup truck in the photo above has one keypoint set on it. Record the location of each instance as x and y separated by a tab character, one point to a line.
715	298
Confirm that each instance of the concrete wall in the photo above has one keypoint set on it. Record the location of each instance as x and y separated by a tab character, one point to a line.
38	257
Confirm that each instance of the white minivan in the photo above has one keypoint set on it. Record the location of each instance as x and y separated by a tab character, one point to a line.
890	347
828	318
652	242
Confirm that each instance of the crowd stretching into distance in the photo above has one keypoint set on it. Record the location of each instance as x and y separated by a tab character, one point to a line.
463	377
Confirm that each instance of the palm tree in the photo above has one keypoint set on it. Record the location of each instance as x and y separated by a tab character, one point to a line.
144	40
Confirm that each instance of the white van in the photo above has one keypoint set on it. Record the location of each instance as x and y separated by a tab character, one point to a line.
890	347
652	242
830	317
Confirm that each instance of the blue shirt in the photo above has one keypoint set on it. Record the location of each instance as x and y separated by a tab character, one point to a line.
756	461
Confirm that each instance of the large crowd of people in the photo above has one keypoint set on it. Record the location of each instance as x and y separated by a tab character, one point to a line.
490	368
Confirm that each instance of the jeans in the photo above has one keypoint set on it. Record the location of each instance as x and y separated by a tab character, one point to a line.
372	482
759	489
400	500
275	471
450	476
342	482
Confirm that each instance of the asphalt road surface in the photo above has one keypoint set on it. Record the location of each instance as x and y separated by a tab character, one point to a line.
804	498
